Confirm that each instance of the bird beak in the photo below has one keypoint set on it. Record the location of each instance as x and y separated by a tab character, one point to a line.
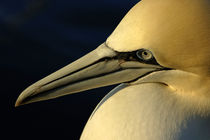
101	67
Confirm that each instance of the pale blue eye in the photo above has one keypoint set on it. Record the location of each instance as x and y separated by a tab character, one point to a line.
144	54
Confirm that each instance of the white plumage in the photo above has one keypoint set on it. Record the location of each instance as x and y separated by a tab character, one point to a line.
161	51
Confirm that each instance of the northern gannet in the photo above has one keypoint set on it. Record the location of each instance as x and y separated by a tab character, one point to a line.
160	51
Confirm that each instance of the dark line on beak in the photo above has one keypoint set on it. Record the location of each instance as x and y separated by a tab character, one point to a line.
163	69
127	56
100	60
43	93
118	88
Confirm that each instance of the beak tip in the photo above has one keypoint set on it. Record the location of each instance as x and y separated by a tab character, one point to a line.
22	98
18	103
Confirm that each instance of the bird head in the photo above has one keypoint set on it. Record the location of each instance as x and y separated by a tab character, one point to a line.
160	41
178	35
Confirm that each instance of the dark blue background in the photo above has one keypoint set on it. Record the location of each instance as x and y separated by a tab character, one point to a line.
38	37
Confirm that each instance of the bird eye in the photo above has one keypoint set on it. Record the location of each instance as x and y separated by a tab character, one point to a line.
145	55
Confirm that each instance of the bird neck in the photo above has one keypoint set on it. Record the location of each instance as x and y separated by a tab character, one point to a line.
146	111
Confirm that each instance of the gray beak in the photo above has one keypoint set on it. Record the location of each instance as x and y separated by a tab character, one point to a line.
101	67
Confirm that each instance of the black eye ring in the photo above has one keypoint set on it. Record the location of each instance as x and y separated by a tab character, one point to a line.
144	55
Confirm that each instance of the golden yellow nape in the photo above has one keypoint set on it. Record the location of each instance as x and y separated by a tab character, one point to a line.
160	52
166	27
